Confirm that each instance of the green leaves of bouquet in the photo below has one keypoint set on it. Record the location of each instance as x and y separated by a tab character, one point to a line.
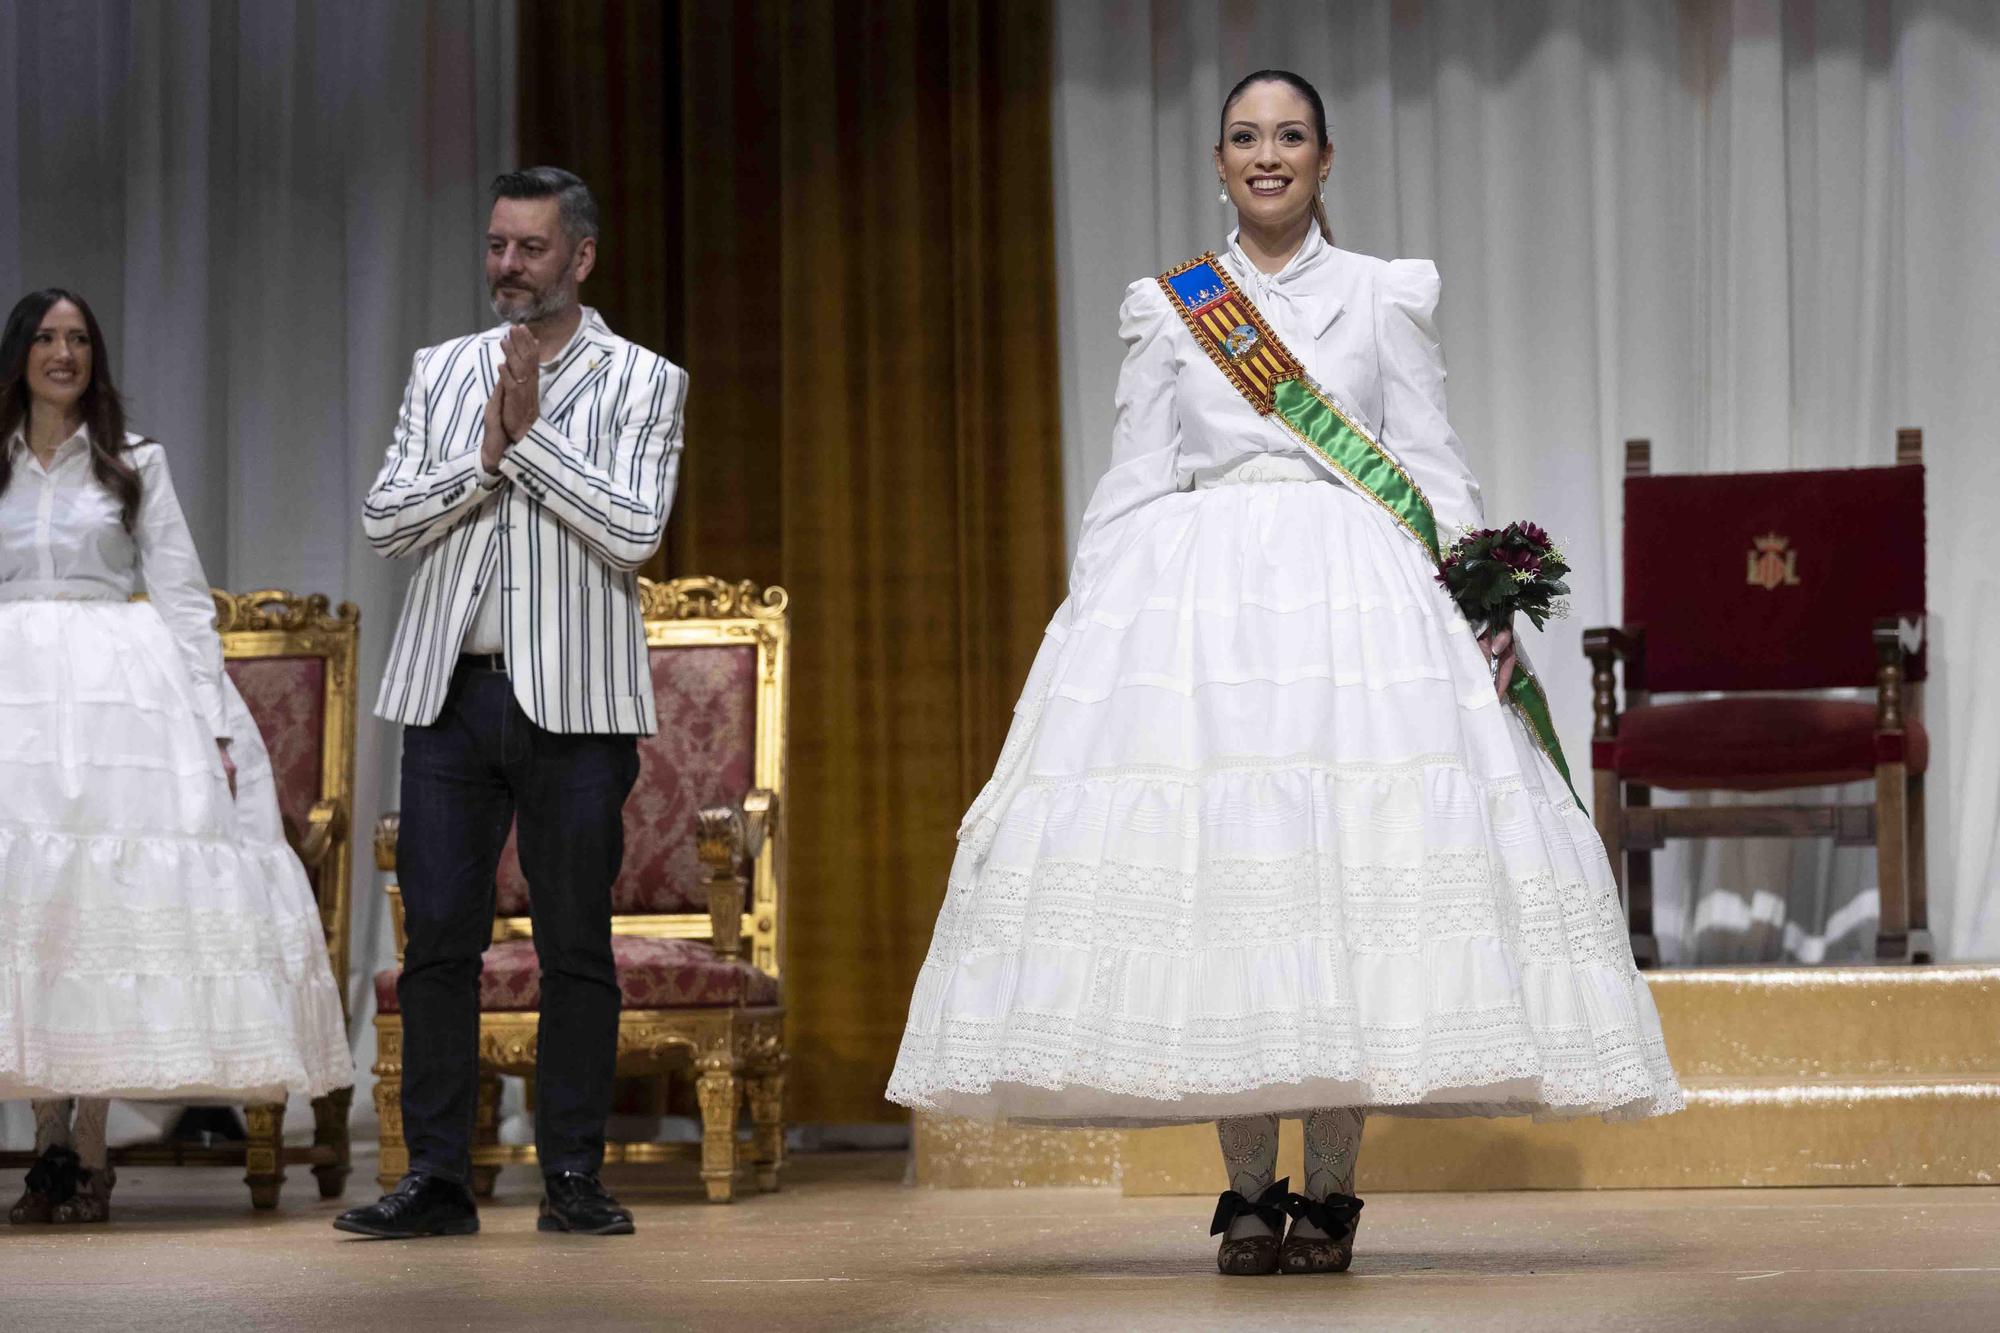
1496	573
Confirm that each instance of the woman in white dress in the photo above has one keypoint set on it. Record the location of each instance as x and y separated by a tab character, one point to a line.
1264	838
153	943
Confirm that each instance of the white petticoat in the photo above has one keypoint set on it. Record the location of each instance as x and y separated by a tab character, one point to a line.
154	942
1262	839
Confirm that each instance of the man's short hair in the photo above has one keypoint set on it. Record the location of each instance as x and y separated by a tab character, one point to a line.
574	204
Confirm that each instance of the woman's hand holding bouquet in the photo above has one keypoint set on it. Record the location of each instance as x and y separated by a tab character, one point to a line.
1495	573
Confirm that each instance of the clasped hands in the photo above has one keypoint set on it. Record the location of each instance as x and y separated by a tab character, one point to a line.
516	401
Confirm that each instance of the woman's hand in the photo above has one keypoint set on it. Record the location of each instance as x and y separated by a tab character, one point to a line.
228	766
1500	648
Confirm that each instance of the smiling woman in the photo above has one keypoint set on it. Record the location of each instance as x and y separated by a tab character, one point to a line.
67	371
1263	840
156	941
1273	157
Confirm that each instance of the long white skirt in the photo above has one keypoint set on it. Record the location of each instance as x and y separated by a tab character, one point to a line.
1262	839
155	941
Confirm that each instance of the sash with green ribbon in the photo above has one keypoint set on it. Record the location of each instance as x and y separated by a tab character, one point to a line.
1243	347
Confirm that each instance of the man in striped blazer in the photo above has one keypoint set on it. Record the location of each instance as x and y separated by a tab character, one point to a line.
530	474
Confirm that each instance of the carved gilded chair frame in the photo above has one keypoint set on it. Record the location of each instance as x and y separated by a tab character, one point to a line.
737	1053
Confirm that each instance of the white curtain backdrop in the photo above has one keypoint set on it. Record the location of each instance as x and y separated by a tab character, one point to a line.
270	205
1761	234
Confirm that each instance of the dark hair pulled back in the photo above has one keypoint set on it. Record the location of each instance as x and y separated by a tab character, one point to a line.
1312	99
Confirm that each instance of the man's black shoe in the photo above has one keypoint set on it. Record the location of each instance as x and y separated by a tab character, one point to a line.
575	1202
420	1206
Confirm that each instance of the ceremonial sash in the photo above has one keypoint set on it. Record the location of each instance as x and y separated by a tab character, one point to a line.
1233	333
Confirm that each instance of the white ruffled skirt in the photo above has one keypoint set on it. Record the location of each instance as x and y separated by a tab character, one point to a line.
1262	839
157	939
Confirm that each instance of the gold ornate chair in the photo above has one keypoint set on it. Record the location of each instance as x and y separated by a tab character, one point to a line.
293	661
699	903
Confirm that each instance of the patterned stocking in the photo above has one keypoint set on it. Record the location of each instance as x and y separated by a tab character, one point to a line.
1333	1141
90	1116
1250	1153
52	1123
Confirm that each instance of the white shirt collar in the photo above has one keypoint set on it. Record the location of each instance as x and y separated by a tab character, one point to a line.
79	439
1304	261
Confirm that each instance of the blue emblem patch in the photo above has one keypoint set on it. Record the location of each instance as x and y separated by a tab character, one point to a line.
1197	286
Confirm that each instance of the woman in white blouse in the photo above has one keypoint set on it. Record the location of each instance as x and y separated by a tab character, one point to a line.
153	942
1263	839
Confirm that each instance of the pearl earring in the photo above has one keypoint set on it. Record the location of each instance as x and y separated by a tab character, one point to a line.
1322	189
1222	195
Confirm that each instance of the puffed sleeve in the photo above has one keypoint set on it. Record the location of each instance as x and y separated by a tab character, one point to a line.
1145	439
171	572
1414	426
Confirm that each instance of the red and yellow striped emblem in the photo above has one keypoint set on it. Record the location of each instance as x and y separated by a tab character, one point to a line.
1231	330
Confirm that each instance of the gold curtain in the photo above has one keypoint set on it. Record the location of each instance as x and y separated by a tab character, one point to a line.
847	222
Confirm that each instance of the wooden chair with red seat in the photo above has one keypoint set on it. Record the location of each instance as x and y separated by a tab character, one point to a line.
698	905
1757	586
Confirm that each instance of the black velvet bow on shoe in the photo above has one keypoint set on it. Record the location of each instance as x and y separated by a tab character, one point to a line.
55	1174
1333	1215
1269	1207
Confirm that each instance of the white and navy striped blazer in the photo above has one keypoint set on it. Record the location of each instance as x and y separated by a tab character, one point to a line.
581	503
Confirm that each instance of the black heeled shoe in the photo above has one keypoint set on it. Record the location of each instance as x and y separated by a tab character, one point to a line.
1250	1256
51	1183
1338	1216
92	1200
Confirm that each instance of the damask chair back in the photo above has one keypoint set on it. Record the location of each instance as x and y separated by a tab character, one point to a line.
293	661
719	656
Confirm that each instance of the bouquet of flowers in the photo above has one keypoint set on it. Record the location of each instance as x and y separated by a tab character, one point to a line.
1493	573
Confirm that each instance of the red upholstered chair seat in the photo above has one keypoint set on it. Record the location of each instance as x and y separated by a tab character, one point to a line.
1755	744
652	974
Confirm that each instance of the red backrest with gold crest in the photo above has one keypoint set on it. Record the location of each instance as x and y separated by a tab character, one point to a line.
1772	580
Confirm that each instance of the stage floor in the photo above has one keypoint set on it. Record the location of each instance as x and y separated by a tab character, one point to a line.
847	1245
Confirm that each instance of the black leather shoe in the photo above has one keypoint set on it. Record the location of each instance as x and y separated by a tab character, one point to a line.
420	1206
575	1202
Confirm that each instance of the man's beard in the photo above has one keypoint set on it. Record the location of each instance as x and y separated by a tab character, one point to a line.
536	308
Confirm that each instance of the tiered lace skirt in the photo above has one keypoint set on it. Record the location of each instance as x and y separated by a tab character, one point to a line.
155	942
1262	839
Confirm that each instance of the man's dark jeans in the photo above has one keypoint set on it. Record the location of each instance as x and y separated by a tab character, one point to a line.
482	766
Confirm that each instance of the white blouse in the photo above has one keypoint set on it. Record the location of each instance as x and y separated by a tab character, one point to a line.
1364	329
61	538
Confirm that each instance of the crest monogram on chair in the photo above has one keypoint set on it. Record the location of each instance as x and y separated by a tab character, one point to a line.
1772	564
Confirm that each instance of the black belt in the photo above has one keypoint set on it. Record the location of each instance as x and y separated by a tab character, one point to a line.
483	661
